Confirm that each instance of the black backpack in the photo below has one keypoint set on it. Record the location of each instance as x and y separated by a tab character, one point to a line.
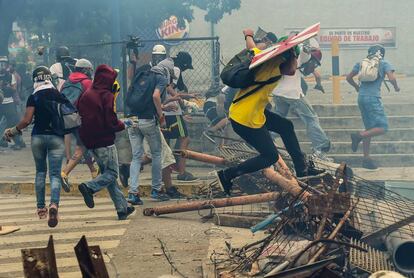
65	117
236	74
139	96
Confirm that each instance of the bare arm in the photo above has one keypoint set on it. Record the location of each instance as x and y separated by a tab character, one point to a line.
27	118
351	81
393	80
156	97
248	34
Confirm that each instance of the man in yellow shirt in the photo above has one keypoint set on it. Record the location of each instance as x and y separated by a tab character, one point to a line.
252	121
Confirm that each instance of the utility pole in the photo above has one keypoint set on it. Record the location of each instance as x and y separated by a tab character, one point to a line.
114	5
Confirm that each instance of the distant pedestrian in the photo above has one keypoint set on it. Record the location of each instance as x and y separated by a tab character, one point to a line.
46	144
372	71
78	82
97	132
8	107
63	67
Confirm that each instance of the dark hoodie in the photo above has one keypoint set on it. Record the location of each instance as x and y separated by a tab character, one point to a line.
96	108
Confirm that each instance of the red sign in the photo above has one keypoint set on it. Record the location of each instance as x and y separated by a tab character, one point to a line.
282	47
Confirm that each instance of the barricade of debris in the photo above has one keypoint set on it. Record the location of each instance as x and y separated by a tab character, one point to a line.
332	225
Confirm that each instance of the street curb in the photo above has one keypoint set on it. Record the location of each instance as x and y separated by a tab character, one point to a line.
145	189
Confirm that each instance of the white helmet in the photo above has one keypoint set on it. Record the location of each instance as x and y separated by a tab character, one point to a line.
83	63
159	49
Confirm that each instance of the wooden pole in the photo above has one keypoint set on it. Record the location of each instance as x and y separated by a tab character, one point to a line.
214	203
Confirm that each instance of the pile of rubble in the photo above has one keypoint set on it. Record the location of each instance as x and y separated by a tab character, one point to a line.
332	225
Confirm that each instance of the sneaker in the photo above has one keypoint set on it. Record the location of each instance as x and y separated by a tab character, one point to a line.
356	138
53	216
318	155
124	215
159	196
226	185
42	213
368	163
310	170
134	199
186	177
87	195
65	181
173	193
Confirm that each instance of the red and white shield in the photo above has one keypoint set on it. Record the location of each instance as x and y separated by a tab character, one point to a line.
281	47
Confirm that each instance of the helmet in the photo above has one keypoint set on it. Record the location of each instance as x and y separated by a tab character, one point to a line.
185	60
159	49
62	52
83	63
296	48
41	73
375	49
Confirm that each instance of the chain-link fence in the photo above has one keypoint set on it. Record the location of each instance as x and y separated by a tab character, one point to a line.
205	53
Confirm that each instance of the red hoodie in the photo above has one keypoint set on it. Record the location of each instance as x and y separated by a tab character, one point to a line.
76	77
96	108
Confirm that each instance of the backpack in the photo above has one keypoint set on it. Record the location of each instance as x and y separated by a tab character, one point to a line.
72	91
369	69
139	95
236	74
65	116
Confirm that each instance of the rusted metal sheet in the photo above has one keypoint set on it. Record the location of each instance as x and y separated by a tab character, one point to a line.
40	262
214	203
90	260
317	204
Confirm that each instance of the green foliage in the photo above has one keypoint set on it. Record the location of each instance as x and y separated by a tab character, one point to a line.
80	21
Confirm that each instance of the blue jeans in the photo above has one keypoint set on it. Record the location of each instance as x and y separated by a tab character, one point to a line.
314	131
107	159
52	148
146	129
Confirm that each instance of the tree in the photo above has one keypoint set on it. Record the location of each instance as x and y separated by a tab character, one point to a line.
77	21
8	14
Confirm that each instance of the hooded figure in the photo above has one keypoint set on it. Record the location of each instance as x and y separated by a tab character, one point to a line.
96	108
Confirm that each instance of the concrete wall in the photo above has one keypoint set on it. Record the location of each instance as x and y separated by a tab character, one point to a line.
276	15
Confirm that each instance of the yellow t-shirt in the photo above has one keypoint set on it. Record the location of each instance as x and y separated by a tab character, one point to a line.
249	111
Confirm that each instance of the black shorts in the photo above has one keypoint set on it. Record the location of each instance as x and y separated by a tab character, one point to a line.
210	110
176	127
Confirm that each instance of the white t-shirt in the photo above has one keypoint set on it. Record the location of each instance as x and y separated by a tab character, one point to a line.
179	111
56	69
290	85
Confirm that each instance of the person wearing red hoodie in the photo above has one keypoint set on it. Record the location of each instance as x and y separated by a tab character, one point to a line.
78	82
97	132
